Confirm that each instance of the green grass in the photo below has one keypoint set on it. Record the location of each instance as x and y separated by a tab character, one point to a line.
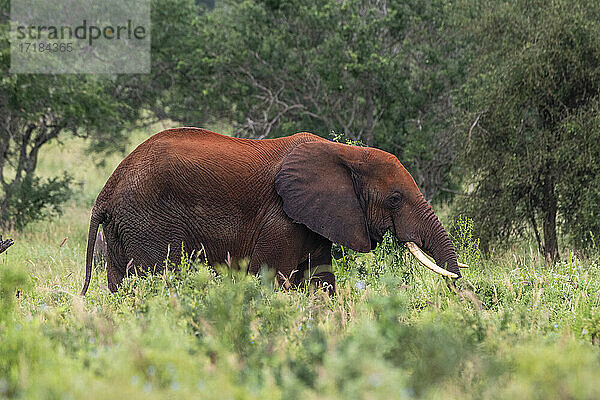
517	330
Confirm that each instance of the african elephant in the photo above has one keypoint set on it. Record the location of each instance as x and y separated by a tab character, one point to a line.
275	202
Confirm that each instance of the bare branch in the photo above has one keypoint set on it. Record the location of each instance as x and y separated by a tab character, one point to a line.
473	126
5	244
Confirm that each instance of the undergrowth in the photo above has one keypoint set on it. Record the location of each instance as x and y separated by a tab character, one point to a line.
516	328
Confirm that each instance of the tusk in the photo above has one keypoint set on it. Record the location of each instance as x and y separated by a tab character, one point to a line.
419	255
460	265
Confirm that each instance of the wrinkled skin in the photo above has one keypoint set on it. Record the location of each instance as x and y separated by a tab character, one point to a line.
275	202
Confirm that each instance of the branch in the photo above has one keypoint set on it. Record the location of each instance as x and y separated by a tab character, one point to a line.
473	126
23	156
5	244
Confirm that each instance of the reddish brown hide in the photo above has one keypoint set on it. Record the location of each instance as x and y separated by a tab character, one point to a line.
275	202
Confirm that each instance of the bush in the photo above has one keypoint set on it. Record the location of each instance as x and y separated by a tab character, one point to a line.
32	199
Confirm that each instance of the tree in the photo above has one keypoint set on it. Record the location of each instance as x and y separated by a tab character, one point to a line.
178	86
35	109
295	65
376	71
532	137
421	132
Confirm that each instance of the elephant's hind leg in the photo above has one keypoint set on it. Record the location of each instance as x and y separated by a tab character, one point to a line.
115	277
116	262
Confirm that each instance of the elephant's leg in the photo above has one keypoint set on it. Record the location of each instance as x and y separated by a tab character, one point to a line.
115	277
115	269
283	261
290	251
317	268
281	250
116	262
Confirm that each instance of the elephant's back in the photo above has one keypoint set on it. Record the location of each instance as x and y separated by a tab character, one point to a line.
193	186
202	145
191	163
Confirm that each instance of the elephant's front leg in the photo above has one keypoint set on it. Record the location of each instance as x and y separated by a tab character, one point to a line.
281	246
281	259
317	269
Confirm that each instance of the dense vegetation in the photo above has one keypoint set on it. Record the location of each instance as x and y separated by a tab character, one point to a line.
518	328
533	149
491	105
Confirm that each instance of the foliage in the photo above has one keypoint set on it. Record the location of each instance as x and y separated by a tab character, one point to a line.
375	71
36	109
173	90
531	138
31	199
527	330
518	329
285	63
465	242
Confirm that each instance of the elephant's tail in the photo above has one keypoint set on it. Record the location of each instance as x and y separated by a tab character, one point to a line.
96	219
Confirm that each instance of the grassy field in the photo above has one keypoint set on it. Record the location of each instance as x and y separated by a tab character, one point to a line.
517	329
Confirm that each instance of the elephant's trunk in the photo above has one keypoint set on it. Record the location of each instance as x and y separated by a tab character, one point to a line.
435	241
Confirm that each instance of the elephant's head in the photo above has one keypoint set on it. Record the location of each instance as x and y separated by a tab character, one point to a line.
353	195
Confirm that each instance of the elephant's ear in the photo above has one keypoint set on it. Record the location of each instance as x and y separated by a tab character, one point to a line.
317	188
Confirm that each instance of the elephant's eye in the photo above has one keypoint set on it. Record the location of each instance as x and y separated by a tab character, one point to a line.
394	201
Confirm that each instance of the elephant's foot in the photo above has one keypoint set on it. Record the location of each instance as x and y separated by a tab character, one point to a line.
325	281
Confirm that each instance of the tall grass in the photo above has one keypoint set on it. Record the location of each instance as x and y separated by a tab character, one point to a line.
516	329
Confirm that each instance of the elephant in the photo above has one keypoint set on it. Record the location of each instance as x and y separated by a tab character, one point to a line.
278	203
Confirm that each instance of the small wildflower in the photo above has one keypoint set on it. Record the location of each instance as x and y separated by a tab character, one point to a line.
375	379
3	385
360	285
151	370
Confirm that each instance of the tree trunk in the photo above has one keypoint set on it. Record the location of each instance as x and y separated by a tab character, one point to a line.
549	224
